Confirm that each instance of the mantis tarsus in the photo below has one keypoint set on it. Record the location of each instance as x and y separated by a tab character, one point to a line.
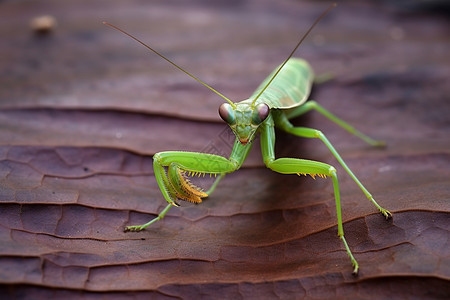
281	96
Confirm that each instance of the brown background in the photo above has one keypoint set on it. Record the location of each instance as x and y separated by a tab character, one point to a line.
83	109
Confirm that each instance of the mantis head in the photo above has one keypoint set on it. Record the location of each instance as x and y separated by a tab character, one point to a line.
244	119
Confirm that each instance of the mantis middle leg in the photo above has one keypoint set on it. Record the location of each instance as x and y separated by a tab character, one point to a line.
303	166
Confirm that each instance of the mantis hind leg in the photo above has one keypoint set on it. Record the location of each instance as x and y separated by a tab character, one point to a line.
313	133
314	168
313	105
282	122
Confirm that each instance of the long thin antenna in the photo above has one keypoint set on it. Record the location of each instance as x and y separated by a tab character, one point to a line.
171	62
333	5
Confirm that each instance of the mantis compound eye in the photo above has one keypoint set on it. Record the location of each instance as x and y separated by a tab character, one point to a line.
260	113
226	112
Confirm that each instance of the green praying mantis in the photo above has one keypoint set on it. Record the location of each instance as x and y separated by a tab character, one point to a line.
280	97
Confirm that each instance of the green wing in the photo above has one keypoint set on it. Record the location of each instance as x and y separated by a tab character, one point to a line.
290	88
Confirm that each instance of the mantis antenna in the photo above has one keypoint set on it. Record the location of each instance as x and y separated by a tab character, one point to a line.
333	5
208	86
171	62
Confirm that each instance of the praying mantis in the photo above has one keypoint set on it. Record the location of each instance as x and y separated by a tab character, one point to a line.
280	97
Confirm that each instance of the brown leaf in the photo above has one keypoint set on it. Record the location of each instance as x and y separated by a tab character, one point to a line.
83	109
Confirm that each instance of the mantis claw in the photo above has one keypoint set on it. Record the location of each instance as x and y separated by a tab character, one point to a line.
387	214
355	270
186	190
136	228
177	185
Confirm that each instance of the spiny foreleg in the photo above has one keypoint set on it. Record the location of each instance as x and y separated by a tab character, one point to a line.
175	184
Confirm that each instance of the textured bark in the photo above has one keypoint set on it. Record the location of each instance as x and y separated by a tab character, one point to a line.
83	109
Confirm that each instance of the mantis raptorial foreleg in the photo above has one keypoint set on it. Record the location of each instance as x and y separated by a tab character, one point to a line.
168	207
174	183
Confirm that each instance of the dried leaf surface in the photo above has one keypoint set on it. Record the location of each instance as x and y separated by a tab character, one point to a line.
84	109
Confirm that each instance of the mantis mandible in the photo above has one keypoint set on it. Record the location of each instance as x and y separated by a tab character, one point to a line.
280	97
